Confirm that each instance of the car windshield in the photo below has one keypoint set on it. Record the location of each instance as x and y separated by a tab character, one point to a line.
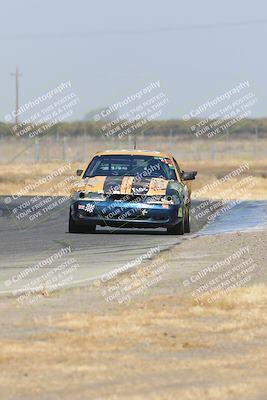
128	165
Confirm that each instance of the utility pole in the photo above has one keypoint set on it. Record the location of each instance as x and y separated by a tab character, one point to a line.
257	137
170	139
17	76
135	141
135	122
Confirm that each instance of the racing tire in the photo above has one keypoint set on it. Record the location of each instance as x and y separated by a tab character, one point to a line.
178	229
77	228
187	222
90	229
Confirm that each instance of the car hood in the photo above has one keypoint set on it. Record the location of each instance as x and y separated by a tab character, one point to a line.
123	185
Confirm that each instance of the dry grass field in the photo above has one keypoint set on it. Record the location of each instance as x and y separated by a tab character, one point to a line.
15	177
212	159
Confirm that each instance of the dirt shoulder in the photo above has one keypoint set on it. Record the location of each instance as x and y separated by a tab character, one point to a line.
160	344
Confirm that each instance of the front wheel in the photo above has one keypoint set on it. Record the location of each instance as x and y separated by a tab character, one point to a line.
187	222
77	228
178	229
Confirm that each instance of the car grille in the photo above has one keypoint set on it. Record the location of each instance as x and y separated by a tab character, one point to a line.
126	197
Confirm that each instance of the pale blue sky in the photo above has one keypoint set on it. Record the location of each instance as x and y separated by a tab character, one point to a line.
109	49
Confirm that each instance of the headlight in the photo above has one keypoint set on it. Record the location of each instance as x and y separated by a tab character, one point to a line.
168	199
153	200
95	196
76	195
89	196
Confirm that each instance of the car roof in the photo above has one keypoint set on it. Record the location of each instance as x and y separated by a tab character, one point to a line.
135	152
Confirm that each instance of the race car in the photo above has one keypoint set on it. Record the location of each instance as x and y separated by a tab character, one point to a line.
131	189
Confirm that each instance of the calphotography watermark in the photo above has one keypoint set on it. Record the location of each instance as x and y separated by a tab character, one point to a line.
28	208
229	193
134	278
41	113
223	111
53	272
215	281
132	113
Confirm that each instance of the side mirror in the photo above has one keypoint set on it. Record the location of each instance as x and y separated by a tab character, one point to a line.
188	176
79	172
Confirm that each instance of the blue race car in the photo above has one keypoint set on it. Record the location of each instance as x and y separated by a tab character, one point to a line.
131	189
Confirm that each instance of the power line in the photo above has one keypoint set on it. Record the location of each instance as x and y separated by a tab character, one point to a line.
213	26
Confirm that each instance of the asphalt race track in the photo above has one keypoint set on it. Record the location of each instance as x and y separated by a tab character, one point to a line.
96	254
109	248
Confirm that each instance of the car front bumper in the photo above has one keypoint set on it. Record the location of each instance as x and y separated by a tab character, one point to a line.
125	214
